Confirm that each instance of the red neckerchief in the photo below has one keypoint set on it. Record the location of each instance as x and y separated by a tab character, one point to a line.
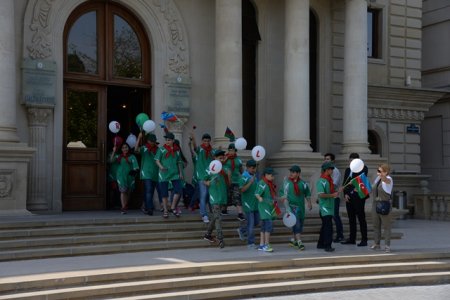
122	156
225	176
296	188
170	150
207	149
272	187
151	148
231	157
330	181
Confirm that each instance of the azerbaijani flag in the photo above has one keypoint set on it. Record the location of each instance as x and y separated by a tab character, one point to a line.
229	134
362	185
168	116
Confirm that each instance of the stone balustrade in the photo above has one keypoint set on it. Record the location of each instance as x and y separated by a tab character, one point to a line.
432	207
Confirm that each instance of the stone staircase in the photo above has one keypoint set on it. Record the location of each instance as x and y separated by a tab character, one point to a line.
59	237
235	279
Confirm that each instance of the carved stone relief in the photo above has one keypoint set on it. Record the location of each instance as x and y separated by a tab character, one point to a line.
395	114
40	46
6	183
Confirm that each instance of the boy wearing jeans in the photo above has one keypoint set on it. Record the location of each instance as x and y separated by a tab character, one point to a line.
266	194
295	191
248	184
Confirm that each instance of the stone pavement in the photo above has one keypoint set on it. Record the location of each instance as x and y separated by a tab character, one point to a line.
418	235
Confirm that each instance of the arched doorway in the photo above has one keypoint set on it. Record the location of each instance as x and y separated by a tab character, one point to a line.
106	77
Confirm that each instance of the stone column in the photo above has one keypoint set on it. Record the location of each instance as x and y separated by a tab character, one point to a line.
8	130
296	77
14	156
228	93
39	197
355	78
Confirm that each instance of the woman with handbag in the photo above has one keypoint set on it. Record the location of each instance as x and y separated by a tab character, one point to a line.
381	207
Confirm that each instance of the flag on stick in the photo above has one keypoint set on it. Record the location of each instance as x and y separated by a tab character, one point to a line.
229	134
362	185
168	116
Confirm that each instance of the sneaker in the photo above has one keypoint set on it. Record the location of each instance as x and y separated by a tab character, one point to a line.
241	235
241	217
338	239
300	245
329	249
144	211
179	211
375	247
260	248
205	219
267	248
150	212
362	244
251	246
123	212
224	212
387	249
221	244
175	212
293	243
209	238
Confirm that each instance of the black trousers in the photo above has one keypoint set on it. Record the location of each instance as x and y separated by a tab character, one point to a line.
326	232
355	209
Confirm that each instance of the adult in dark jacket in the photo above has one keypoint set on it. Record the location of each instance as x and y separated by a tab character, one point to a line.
355	206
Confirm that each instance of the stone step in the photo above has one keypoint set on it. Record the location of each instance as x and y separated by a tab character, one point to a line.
233	279
47	250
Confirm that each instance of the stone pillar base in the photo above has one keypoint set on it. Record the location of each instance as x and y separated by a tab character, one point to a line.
14	164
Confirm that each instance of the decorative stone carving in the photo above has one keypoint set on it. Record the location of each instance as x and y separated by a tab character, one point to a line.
38	116
177	57
395	114
40	46
6	184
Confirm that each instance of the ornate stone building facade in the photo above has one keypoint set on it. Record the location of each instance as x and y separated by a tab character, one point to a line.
299	77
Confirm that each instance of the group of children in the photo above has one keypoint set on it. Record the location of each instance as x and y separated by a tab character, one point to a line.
256	199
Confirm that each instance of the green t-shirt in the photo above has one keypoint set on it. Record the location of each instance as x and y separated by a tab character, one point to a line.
296	202
326	205
249	201
124	180
236	172
217	189
265	208
170	163
202	162
149	168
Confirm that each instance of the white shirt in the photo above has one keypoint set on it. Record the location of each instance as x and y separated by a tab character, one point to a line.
386	187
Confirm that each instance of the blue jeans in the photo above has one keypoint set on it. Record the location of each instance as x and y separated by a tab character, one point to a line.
266	226
204	198
337	219
252	222
149	191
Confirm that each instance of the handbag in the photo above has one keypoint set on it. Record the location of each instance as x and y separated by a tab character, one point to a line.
383	207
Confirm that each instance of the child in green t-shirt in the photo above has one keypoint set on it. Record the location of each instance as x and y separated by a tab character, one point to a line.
266	194
295	191
217	185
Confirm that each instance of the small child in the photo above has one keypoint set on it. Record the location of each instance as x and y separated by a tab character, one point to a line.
266	194
294	193
248	184
218	187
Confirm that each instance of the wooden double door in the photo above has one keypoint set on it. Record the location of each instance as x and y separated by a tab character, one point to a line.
106	78
89	142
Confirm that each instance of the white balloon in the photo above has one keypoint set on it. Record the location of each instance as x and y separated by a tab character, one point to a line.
215	166
240	143
356	165
289	219
258	153
114	126
131	140
149	126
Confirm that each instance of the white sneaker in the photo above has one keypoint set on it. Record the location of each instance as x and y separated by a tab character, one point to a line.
205	219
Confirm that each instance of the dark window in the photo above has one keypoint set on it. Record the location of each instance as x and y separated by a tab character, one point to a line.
374	33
